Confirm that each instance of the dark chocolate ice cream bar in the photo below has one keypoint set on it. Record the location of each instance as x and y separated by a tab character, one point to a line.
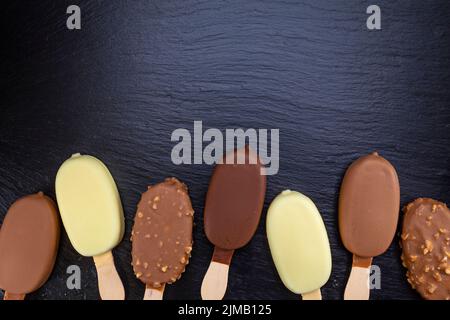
233	208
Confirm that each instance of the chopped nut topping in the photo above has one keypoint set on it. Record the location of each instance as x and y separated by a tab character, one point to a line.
156	199
145	265
138	275
183	260
155	206
429	245
164	268
188	250
140	214
432	288
147	236
447	271
405	236
437	276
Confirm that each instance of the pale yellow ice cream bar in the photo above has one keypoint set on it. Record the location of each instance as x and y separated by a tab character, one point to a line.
90	205
299	244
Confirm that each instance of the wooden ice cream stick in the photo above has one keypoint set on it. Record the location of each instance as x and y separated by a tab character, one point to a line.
358	283
109	283
313	295
154	294
215	282
13	296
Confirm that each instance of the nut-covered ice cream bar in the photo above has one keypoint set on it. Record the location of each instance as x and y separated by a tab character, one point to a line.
233	208
299	244
369	205
29	240
162	236
92	215
425	241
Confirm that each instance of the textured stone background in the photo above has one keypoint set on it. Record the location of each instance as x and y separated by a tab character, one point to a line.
140	69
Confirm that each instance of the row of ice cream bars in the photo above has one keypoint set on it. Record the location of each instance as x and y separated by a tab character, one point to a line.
91	212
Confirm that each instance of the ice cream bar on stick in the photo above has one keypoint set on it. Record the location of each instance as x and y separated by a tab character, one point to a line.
299	244
426	247
233	208
369	205
162	236
92	214
29	239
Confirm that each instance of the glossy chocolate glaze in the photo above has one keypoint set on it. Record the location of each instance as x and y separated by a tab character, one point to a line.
369	205
234	201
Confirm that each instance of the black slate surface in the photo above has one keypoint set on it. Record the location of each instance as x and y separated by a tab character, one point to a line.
140	69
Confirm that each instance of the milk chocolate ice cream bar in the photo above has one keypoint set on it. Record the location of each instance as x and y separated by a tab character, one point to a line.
369	205
233	208
29	239
162	236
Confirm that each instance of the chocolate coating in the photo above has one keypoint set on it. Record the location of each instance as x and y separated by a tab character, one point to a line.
162	233
29	240
234	202
426	248
369	205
